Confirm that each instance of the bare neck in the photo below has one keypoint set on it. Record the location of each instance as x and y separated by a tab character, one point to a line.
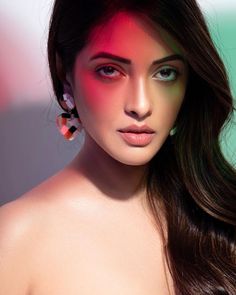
112	178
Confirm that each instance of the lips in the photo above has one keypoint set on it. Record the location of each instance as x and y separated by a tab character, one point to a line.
137	129
138	136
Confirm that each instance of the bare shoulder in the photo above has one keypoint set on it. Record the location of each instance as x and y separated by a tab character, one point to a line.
32	224
16	221
21	225
19	216
27	216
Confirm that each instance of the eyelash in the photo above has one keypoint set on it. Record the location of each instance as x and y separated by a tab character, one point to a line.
105	67
164	68
168	68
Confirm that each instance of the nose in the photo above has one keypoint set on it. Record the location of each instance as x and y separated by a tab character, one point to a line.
138	103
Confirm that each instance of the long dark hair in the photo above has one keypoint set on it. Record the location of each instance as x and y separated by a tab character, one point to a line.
189	178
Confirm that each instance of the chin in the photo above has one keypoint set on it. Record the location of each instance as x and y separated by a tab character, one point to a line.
135	163
139	159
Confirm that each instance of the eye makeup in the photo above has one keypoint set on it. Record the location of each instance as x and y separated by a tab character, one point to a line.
107	68
166	70
168	73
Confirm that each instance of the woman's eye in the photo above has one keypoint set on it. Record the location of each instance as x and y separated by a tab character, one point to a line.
167	74
108	72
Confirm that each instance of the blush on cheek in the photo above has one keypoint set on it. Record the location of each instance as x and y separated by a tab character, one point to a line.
88	95
98	96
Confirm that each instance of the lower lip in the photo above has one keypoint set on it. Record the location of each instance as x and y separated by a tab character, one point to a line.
137	139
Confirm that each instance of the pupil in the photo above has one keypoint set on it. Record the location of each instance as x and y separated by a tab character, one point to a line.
109	70
166	72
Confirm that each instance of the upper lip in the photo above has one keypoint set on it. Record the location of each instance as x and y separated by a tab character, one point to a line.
137	129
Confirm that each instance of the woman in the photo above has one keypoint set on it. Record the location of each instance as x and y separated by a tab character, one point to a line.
148	205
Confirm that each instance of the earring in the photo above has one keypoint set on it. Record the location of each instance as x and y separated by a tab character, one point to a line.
173	131
69	124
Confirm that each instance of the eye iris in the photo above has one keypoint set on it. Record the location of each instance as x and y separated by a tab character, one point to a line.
108	70
166	72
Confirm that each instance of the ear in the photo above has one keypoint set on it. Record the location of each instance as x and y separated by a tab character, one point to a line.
63	76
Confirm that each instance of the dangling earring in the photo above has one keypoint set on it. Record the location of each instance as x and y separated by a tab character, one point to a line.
69	123
173	131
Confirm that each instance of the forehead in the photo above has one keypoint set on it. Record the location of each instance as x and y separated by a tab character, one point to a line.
129	34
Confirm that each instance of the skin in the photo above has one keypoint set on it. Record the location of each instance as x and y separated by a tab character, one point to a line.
86	230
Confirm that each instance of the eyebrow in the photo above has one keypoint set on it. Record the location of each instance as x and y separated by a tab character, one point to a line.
103	54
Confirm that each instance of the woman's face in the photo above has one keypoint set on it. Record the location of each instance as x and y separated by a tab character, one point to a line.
132	77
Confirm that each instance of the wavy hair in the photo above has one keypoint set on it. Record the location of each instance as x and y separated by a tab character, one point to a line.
189	179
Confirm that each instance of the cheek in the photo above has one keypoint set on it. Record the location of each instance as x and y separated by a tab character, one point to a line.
92	100
177	92
87	94
169	103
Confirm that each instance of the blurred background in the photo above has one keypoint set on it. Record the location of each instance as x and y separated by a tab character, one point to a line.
31	148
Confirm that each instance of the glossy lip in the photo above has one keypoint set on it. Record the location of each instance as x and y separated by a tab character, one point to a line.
138	136
137	129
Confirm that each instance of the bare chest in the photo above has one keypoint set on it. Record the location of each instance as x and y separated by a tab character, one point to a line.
106	257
